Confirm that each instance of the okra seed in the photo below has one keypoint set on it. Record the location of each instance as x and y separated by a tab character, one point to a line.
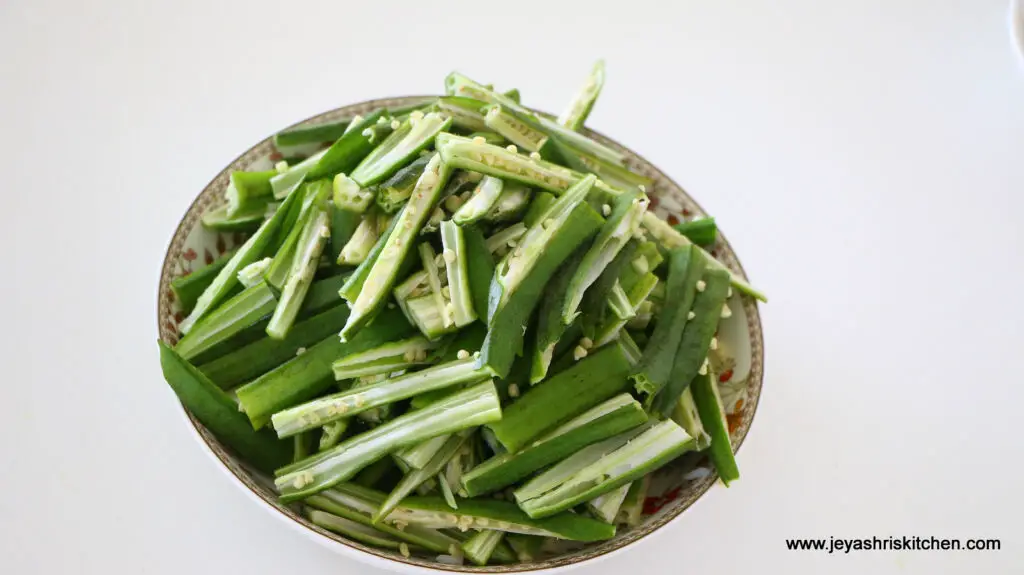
703	367
463	354
281	167
452	203
579	353
513	390
701	285
690	315
587	343
479	140
726	312
395	124
446	292
512	148
416	114
606	210
300	351
714	343
449	255
534	155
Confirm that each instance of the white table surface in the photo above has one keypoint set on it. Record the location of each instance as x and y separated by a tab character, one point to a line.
865	158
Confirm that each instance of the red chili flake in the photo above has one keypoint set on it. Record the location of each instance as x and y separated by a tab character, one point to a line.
276	156
208	257
725	376
189	255
673	219
221	244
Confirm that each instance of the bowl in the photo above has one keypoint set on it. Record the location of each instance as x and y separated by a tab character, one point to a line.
674	488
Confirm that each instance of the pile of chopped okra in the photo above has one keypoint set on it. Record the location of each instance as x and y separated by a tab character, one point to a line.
455	330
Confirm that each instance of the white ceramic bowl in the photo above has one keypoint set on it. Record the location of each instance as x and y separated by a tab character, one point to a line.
675	487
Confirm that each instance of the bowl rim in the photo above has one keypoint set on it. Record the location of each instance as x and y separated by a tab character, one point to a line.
366	553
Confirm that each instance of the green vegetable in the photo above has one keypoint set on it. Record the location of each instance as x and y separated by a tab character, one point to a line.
511	205
403	144
248	191
520	133
712	416
332	433
247	220
419	456
481	545
187	289
233	316
315	134
415	477
606	506
457	270
702	231
352	529
549	318
484	197
395	191
496	161
466	113
351	148
575	115
632	508
527	547
687	416
387	358
359	246
479	268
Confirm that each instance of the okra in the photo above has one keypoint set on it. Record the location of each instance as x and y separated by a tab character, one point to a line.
254	273
701	231
466	113
484	197
361	243
227	320
227	279
415	477
520	133
632	508
549	317
474	406
479	268
350	150
405	142
315	134
302	446
511	205
350	290
505	238
309	374
187	289
457	270
332	433
288	181
349	195
712	416
611	173
642	454
248	191
428	317
353	530
687	416
575	115
609	418
539	205
384	272
619	304
592	380
420	455
512	94
387	358
430	265
247	220
463	344
395	191
481	545
527	547
219	413
606	506
692	352
594	307
496	161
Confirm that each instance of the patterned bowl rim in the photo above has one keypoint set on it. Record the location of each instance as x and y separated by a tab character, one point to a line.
211	194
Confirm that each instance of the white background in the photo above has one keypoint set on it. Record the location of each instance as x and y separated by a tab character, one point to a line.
866	159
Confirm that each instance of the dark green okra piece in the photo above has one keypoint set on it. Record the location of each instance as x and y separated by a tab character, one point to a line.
229	319
576	113
701	231
712	416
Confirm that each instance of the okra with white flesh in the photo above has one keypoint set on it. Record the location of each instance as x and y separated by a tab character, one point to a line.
619	303
396	190
521	134
615	175
521	276
375	415
712	415
354	285
253	273
501	163
246	220
513	202
484	197
309	374
607	419
429	317
349	195
463	345
667	236
593	310
446	491
187	289
381	277
415	477
474	406
227	320
349	151
632	508
685	413
621	223
549	317
692	353
606	506
352	529
701	231
387	358
227	279
248	191
630	346
539	204
284	256
457	271
401	146
332	433
466	113
429	260
420	455
592	380
643	454
527	547
291	179
685	268
576	113
503	238
481	545
358	399
358	247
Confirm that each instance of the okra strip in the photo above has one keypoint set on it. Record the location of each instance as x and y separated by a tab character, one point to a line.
433	512
549	317
351	148
512	203
352	529
481	545
361	243
247	220
430	265
687	416
607	419
613	174
667	236
527	547
479	267
402	145
227	320
314	134
187	289
384	271
592	380
429	317
466	113
524	136
701	231
575	115
400	354
309	374
415	477
619	304
643	454
712	416
284	255
355	506
248	190
359	399
457	270
332	433
692	352
685	268
219	413
606	506
507	237
474	406
288	181
539	205
396	190
419	456
632	508
227	279
501	163
484	197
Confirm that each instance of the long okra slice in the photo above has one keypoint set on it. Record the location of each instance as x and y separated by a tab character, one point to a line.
404	143
352	529
381	277
594	306
614	416
429	317
359	399
643	454
606	506
359	246
499	162
506	238
512	203
481	545
591	381
457	271
632	508
701	231
549	317
484	197
309	374
479	268
187	289
466	113
350	290
291	179
396	190
520	133
474	406
692	352
315	134
576	113
351	148
398	355
332	433
687	416
430	264
250	251
613	174
219	413
415	477
419	456
227	320
712	416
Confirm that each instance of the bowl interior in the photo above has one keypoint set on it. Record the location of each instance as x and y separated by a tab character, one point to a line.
674	488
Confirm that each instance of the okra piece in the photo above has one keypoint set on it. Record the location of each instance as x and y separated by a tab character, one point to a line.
593	380
607	419
687	416
512	94
685	268
248	190
387	358
594	307
549	317
692	352
361	243
611	173
315	134
538	207
309	374
619	304
187	289
457	269
417	476
446	491
622	222
670	238
219	413
433	512
359	399
630	347
506	238
253	273
575	115
396	190
606	506
419	456
290	180
428	317
466	113
302	446
400	147
230	318
481	545
332	433
701	231
247	220
484	197
642	454
632	508
501	163
520	133
474	406
350	290
430	265
349	195
384	271
350	150
463	344
712	416
511	205
527	547
227	279
521	276
289	237
353	530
